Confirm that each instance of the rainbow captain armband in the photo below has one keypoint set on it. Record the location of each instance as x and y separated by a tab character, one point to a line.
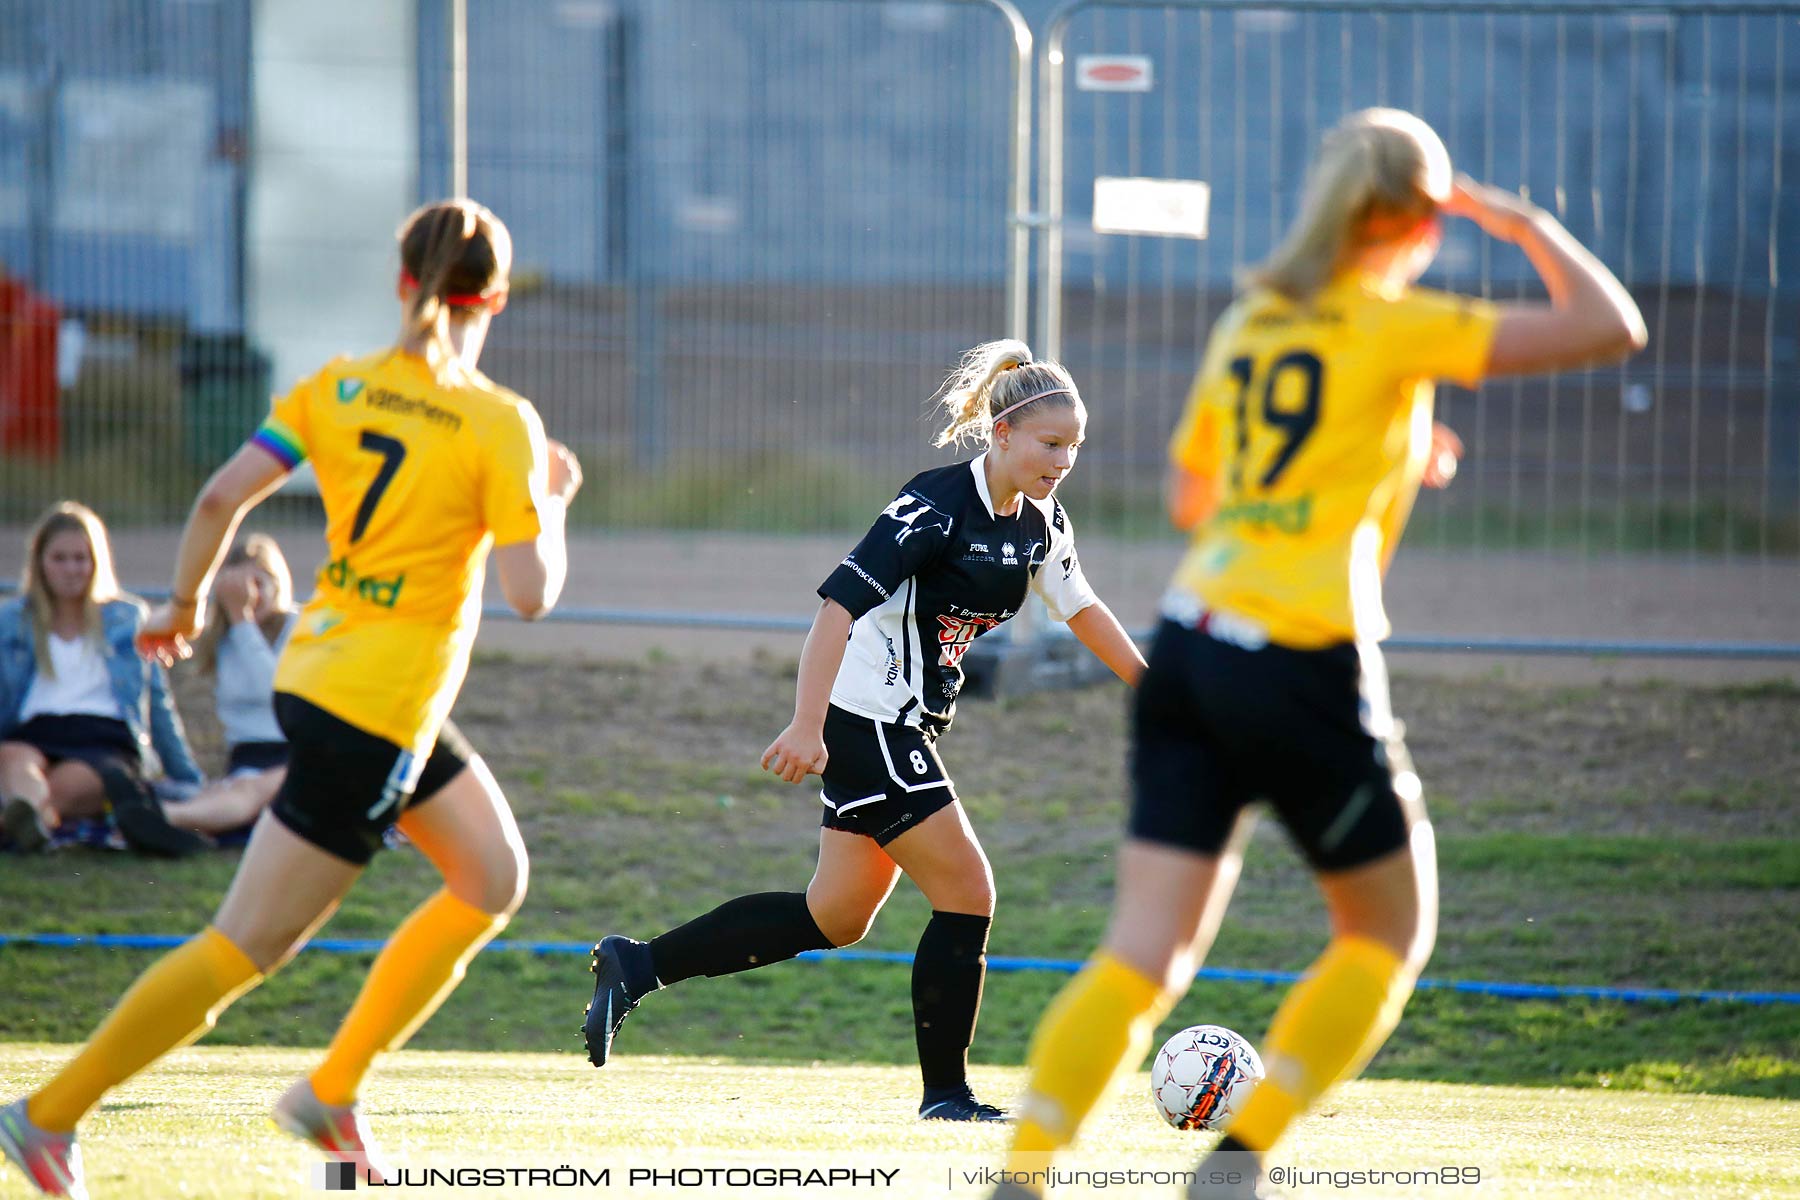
280	441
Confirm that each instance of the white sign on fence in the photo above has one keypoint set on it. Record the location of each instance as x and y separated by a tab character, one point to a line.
1114	73
1157	207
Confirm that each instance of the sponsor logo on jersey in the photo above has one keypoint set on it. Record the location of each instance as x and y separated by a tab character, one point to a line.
914	516
957	634
1310	316
865	577
348	390
1009	555
1034	556
893	661
384	593
388	401
1281	516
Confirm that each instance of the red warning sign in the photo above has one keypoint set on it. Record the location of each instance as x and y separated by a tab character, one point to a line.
1114	73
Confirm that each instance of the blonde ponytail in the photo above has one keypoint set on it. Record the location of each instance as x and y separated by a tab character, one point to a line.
999	380
1379	161
966	394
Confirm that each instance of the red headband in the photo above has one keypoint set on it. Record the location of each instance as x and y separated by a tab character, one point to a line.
455	299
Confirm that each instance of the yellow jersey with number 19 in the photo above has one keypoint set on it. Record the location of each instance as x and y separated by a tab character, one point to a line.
419	478
1315	421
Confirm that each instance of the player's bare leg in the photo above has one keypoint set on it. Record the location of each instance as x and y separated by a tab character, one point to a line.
256	929
468	832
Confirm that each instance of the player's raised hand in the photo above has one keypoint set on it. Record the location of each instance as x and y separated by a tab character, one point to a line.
238	593
1446	452
796	753
1500	213
168	633
565	471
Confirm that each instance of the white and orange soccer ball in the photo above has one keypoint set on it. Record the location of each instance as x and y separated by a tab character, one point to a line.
1202	1076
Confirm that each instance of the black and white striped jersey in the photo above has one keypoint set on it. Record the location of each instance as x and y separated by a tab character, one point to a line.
936	571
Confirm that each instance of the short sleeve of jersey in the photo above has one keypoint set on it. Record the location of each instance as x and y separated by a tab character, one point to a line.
1195	444
909	533
1059	582
283	433
1440	335
514	477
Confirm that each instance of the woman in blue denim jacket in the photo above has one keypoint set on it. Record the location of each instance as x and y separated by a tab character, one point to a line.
84	719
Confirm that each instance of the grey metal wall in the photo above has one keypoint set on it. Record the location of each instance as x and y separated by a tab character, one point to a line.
676	140
582	117
1529	99
1655	136
751	239
122	127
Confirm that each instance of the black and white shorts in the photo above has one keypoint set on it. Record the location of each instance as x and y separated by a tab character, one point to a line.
880	779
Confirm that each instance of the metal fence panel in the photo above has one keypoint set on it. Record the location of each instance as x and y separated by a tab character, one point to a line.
754	238
750	239
1665	140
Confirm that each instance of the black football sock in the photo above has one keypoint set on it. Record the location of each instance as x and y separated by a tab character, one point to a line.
948	970
739	935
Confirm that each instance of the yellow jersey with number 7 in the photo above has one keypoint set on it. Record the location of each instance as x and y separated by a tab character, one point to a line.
1315	420
418	478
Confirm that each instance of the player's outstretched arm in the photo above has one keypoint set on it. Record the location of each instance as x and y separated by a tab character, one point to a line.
234	489
1590	316
1100	632
799	750
532	573
1189	497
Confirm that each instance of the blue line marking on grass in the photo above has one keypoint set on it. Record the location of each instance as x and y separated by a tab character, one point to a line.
1065	966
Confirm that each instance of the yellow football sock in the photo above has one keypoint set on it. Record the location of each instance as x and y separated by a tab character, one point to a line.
421	964
171	1004
1326	1030
1098	1027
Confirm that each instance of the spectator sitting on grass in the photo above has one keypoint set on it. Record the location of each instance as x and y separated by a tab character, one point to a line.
84	720
252	610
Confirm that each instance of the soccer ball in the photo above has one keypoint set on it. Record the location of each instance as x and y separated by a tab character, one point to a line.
1202	1076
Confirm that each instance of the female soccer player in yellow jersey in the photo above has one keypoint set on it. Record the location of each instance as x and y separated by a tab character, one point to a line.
1304	442
423	465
